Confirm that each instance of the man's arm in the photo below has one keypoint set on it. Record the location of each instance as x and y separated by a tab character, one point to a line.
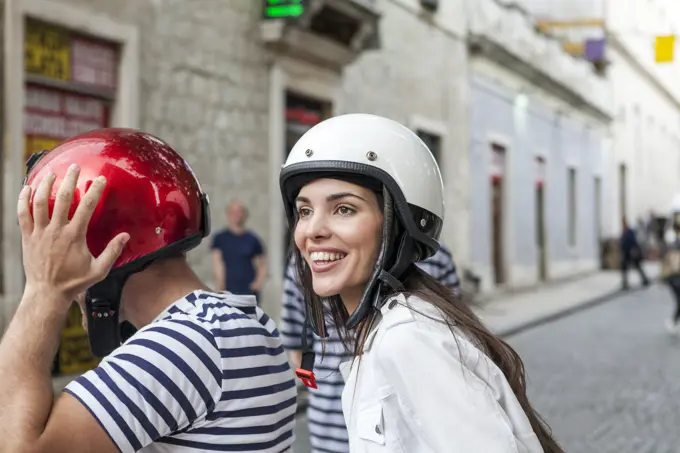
260	271
28	422
219	270
260	263
58	266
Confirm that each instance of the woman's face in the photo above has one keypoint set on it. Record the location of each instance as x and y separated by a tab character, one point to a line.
338	234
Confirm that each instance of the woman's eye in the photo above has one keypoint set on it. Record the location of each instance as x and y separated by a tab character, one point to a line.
303	212
345	210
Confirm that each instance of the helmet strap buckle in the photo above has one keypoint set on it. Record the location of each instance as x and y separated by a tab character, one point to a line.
306	370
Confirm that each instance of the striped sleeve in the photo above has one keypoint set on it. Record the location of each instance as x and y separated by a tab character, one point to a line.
293	313
442	267
162	380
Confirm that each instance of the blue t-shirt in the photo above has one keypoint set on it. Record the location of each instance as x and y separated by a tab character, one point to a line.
238	252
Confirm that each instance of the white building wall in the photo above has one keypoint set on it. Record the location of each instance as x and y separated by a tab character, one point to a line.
533	99
646	132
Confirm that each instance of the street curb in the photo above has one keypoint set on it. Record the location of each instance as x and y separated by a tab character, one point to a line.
581	306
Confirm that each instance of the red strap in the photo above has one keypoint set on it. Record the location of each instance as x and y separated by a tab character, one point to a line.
307	378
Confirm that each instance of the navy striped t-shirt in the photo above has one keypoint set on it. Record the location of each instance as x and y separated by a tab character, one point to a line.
209	374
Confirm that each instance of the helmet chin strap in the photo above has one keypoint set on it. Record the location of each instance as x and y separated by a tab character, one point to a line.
102	302
384	281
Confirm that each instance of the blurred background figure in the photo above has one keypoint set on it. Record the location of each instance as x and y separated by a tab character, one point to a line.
670	267
239	262
327	430
631	254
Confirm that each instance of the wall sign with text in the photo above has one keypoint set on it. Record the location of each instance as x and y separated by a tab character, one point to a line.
58	54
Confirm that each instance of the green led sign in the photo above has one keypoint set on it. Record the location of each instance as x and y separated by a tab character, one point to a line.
275	9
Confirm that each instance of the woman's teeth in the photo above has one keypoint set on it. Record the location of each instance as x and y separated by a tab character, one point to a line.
326	256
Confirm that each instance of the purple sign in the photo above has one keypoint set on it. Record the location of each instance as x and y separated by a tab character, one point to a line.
594	49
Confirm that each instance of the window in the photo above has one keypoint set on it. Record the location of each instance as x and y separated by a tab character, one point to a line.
571	206
433	141
598	207
623	185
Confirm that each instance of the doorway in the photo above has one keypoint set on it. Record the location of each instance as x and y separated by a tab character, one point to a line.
301	113
623	195
540	231
597	203
539	215
497	214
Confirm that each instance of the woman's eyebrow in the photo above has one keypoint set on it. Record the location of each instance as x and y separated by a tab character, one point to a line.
332	197
340	195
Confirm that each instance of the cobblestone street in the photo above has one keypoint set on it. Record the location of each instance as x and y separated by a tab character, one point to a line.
607	379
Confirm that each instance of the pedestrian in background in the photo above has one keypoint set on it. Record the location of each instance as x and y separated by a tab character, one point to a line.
239	261
670	264
631	254
327	429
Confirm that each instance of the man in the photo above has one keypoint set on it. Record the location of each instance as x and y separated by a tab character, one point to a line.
239	262
328	433
631	254
204	372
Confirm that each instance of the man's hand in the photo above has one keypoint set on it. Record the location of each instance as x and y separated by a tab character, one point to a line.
255	286
56	257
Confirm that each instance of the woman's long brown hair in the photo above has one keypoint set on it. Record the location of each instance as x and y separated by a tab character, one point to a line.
455	312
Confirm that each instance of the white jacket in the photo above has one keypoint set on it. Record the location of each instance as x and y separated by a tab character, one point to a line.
419	389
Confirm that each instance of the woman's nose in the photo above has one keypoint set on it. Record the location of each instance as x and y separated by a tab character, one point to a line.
317	226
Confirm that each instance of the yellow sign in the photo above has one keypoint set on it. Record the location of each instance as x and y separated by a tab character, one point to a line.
47	51
74	350
664	49
37	144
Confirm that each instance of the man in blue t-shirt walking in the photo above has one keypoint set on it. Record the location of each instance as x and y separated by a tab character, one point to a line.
239	263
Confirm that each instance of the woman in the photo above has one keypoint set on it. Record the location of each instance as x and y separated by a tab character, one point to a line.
365	199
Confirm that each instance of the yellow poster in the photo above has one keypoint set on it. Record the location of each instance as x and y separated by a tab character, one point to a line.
47	51
37	144
74	350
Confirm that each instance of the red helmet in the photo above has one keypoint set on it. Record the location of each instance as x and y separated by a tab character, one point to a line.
151	193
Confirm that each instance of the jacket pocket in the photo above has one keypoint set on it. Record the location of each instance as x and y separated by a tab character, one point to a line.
370	425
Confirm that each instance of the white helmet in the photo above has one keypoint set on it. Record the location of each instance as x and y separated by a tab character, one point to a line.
384	151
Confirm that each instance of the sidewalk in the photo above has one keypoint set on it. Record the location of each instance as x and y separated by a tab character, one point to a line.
507	314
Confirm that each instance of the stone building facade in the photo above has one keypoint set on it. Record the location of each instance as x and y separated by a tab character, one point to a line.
231	91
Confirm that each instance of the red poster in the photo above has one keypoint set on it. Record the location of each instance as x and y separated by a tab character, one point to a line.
93	63
59	114
52	115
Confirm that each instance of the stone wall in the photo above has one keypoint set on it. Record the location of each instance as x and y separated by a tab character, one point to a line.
204	90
